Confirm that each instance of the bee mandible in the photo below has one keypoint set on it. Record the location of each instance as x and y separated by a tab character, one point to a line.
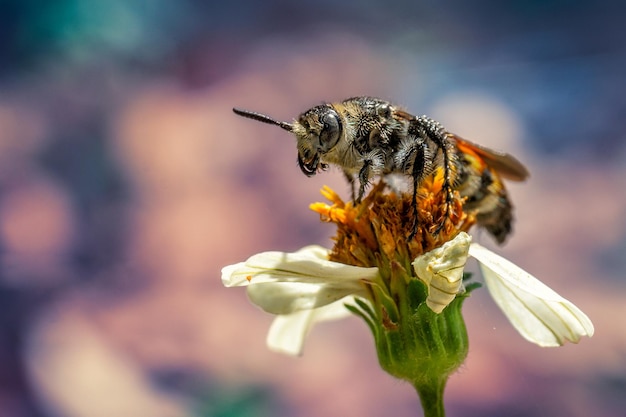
368	137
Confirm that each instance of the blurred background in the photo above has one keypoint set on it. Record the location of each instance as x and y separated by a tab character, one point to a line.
126	183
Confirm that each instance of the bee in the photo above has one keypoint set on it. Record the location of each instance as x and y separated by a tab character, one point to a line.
368	137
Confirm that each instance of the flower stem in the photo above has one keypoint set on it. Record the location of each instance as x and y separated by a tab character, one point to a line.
431	396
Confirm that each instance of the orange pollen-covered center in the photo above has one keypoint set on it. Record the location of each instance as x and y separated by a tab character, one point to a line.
382	222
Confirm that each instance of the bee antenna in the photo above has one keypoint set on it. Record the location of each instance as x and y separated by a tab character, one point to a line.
262	118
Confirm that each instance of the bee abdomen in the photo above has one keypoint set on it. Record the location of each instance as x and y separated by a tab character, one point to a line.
485	196
498	221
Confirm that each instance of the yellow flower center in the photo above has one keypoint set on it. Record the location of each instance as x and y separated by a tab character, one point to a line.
379	226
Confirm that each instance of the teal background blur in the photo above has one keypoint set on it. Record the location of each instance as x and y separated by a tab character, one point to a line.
126	183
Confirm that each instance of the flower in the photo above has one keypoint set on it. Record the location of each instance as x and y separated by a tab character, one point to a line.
304	288
409	291
314	283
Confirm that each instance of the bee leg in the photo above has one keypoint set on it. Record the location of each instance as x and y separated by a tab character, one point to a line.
351	180
373	164
446	187
363	179
417	173
438	135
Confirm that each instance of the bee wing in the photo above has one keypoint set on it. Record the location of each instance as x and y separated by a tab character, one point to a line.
503	163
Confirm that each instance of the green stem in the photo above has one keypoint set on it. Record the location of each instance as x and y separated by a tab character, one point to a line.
431	396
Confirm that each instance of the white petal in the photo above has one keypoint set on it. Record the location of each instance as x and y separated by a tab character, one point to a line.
287	332
540	314
290	297
441	270
309	264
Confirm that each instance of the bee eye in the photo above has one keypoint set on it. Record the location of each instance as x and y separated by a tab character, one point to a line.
332	129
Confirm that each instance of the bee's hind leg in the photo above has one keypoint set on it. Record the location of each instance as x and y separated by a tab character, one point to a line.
417	173
438	135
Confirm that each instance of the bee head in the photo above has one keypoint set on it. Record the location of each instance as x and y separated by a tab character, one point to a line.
317	131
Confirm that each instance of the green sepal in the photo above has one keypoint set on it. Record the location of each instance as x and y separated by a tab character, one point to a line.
417	292
471	287
363	311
